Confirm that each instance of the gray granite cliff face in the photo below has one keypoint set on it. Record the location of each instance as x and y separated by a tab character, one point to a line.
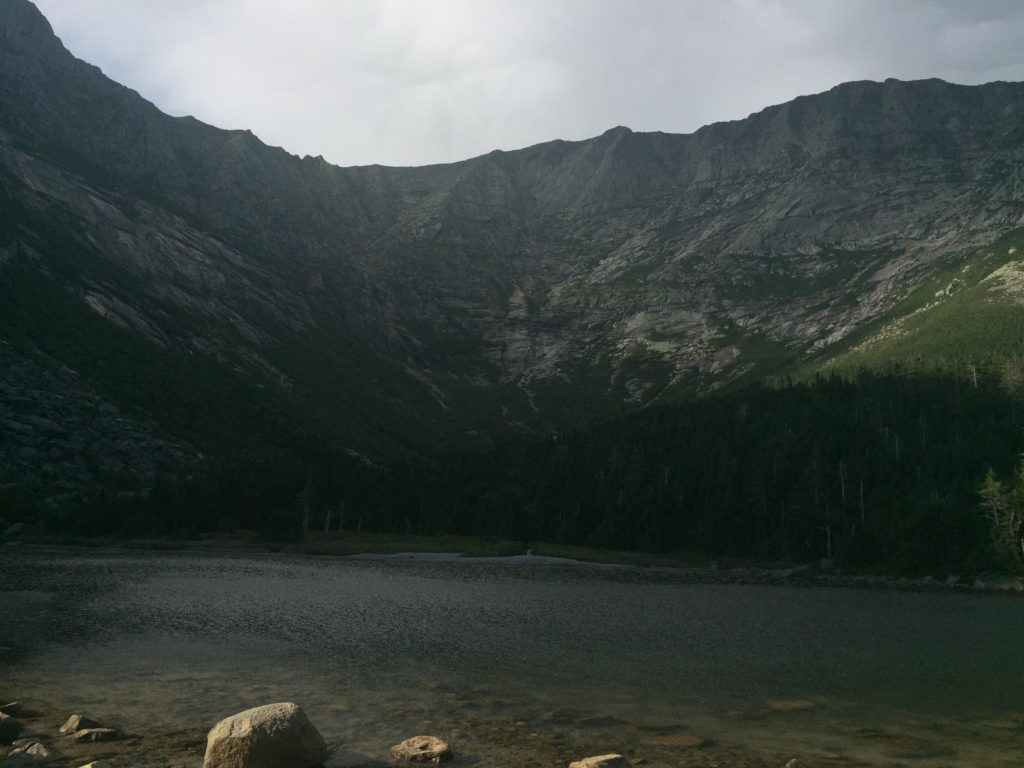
642	262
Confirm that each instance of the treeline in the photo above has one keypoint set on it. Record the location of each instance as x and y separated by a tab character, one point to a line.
871	471
877	470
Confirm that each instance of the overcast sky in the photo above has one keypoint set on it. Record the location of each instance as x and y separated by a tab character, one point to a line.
412	82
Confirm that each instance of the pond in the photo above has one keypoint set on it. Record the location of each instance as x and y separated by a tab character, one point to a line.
512	664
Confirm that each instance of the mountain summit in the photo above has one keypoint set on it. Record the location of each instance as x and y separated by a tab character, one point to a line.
211	288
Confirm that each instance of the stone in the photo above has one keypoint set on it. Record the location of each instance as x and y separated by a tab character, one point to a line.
999	583
602	761
272	736
20	759
790	705
96	764
10	729
29	754
78	723
422	749
600	721
13	709
681	740
92	735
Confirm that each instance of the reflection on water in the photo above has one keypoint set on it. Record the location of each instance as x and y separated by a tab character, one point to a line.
515	664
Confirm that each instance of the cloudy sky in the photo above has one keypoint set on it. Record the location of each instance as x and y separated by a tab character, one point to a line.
412	82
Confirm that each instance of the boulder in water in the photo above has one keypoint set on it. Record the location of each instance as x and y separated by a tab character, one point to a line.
272	736
422	749
78	723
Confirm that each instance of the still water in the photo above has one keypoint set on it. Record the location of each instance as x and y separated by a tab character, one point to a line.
513	664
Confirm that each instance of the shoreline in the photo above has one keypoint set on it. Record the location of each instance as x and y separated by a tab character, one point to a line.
808	575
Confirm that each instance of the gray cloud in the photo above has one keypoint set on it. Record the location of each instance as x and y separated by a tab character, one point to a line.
402	82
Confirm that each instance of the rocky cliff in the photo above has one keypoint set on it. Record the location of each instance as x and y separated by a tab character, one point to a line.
384	308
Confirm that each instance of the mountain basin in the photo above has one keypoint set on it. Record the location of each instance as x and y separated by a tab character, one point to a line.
512	663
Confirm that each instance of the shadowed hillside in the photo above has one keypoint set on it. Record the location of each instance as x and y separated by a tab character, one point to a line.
229	304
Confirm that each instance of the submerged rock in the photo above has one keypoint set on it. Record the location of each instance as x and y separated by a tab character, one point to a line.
21	759
790	705
683	740
85	730
602	761
10	729
91	735
29	754
422	749
272	736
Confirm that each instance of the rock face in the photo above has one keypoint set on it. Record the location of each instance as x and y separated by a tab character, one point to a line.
272	736
422	749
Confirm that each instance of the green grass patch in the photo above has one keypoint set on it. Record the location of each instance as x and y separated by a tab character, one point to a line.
955	319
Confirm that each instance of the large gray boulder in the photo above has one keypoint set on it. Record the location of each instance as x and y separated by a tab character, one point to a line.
272	736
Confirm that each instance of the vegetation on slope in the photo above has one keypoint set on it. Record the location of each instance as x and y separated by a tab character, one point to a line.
875	471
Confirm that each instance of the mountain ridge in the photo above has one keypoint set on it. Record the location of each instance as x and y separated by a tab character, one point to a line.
392	309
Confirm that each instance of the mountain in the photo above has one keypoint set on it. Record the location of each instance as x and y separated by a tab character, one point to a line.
211	294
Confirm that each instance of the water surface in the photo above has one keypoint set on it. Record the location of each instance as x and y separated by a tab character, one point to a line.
514	665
